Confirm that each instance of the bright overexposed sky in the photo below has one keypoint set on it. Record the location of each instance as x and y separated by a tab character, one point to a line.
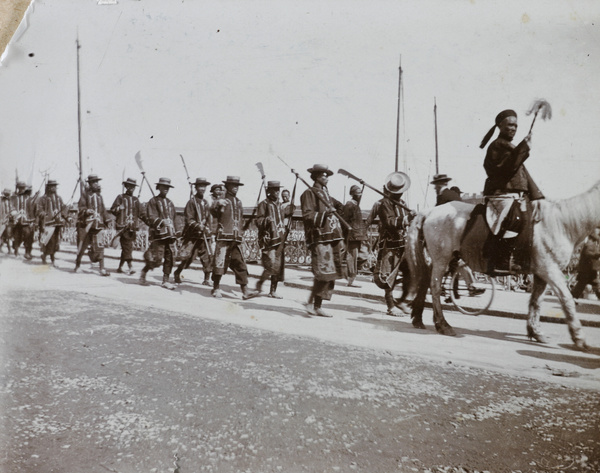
227	84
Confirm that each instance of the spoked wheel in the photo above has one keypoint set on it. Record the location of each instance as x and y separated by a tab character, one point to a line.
472	301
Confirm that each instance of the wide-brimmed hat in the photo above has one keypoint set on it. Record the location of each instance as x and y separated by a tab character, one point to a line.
320	168
201	181
51	182
21	184
93	178
235	180
6	192
397	183
130	182
216	186
273	185
164	181
439	178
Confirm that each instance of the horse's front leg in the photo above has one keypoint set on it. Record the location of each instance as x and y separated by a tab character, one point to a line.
441	325
559	285
534	331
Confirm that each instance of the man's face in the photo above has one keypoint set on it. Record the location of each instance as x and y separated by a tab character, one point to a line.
129	189
232	188
285	195
51	189
508	127
163	190
439	187
200	190
95	186
217	193
357	196
273	194
323	179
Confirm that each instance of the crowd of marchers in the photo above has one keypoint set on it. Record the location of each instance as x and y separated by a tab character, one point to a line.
335	233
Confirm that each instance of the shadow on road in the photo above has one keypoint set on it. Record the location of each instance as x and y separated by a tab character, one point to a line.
582	362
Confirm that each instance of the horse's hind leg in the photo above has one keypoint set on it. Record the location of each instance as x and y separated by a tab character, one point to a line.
418	303
441	325
533	320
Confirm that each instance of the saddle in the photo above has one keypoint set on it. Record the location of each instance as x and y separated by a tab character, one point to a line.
490	252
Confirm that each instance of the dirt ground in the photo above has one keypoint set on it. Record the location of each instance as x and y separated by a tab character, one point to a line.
97	383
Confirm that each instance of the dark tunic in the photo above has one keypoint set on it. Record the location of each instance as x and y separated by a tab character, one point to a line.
50	212
198	227
391	242
506	171
160	213
92	215
129	215
270	220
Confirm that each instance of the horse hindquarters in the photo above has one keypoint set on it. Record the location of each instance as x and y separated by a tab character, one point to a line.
418	270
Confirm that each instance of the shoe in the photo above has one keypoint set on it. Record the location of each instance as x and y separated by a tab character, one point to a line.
143	281
351	284
43	260
274	295
248	294
309	308
74	269
321	313
119	270
216	293
395	312
104	272
131	271
177	278
403	306
28	256
476	291
166	284
206	282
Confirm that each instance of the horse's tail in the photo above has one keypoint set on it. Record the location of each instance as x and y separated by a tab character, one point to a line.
418	265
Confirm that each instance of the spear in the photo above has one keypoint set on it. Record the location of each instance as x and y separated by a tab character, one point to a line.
261	170
138	160
208	248
323	201
343	172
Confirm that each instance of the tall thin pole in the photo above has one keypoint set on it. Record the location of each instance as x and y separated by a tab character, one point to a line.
398	114
81	187
437	162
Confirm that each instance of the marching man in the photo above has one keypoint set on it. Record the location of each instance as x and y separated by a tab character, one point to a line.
50	213
271	235
160	214
126	209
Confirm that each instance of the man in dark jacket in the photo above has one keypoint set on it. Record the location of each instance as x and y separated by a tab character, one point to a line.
229	213
197	232
126	209
50	213
324	238
357	237
270	218
588	270
24	223
162	232
394	219
443	193
6	220
91	222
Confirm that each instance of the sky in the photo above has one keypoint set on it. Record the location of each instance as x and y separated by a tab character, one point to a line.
227	84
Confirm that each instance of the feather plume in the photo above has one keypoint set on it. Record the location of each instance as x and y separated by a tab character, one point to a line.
541	107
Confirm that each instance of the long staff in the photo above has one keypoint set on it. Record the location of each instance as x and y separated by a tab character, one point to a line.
263	176
343	172
193	197
323	201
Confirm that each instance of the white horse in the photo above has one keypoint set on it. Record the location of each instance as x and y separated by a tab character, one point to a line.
559	226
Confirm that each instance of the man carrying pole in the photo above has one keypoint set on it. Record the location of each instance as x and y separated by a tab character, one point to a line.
323	236
126	209
198	223
356	238
163	233
50	213
24	224
91	222
228	212
271	236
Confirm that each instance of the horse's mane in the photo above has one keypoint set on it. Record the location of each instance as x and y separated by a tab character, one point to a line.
574	217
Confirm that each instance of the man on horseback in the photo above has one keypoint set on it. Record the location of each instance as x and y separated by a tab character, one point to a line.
508	188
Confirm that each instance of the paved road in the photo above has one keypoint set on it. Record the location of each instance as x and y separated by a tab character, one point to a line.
101	374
